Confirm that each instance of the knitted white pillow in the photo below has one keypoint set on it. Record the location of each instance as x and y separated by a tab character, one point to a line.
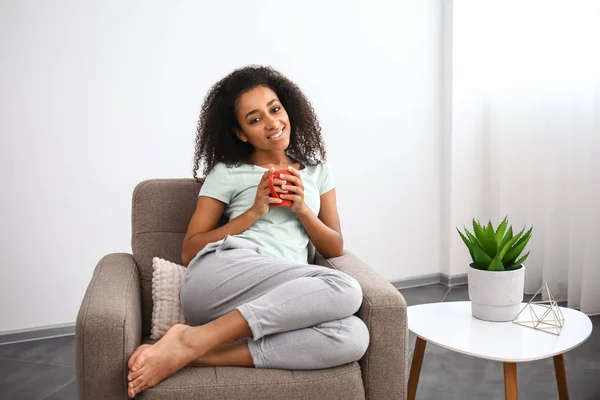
166	282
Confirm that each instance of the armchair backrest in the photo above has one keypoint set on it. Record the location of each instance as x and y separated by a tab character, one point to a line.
161	212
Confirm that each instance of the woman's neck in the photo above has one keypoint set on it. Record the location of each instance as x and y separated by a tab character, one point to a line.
268	160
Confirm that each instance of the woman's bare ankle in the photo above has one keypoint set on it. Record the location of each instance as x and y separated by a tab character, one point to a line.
198	339
204	338
234	354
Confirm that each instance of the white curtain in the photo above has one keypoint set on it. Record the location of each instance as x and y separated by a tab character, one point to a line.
525	134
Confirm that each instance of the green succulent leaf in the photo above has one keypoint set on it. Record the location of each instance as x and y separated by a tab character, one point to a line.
481	258
486	238
476	226
507	237
471	237
496	265
517	248
501	230
525	236
520	261
489	230
512	267
509	244
468	243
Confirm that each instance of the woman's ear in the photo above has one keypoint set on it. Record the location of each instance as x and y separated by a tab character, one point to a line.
240	135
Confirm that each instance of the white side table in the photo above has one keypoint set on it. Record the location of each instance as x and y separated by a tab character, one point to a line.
451	325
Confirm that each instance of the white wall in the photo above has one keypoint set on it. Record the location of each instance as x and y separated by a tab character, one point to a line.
97	96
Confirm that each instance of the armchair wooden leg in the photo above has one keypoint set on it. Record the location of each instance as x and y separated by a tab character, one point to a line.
561	377
511	387
415	368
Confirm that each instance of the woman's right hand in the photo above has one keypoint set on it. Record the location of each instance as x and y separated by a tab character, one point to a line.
263	194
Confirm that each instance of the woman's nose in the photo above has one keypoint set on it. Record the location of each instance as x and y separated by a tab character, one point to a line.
271	122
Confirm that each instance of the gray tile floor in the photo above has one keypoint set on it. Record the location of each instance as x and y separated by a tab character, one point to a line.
45	369
39	369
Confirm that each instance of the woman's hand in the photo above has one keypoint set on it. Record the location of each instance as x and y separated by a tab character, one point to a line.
295	191
260	208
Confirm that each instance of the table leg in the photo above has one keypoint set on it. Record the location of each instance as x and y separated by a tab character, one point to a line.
415	368
561	377
511	387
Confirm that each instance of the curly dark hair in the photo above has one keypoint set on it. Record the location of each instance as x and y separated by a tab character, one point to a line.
216	140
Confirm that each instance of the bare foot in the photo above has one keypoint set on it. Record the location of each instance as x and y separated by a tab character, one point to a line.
134	357
161	360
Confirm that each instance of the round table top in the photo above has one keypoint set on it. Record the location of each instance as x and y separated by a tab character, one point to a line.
451	325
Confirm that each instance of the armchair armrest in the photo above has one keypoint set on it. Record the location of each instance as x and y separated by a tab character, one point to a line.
108	328
384	312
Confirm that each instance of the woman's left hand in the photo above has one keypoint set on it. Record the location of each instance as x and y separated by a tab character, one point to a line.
295	190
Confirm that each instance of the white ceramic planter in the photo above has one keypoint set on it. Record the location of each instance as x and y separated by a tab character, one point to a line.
496	295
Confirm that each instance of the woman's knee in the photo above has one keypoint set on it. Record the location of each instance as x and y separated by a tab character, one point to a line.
357	337
353	296
349	340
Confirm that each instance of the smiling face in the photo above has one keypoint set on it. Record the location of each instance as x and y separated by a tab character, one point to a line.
263	120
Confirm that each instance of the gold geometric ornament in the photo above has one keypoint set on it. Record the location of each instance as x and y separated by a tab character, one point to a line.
542	315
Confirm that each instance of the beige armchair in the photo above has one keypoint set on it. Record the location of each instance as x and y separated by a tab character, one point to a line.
114	319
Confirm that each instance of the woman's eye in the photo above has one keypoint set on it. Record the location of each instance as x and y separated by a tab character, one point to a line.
255	120
276	109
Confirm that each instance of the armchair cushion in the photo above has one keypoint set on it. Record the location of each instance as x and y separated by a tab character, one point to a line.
235	383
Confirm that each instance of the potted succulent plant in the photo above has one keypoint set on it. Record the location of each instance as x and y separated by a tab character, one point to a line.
496	277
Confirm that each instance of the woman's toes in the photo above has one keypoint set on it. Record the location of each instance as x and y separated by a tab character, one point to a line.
137	383
139	363
133	375
138	389
135	355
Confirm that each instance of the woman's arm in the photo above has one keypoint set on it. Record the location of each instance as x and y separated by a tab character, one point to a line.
324	231
201	229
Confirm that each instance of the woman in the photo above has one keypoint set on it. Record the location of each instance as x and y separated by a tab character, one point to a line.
249	295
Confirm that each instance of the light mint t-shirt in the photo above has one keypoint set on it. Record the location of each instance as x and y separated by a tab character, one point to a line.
279	233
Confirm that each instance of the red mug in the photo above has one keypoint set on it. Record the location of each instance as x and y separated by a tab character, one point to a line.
284	202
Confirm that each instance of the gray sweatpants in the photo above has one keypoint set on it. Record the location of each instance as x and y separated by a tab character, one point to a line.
301	315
